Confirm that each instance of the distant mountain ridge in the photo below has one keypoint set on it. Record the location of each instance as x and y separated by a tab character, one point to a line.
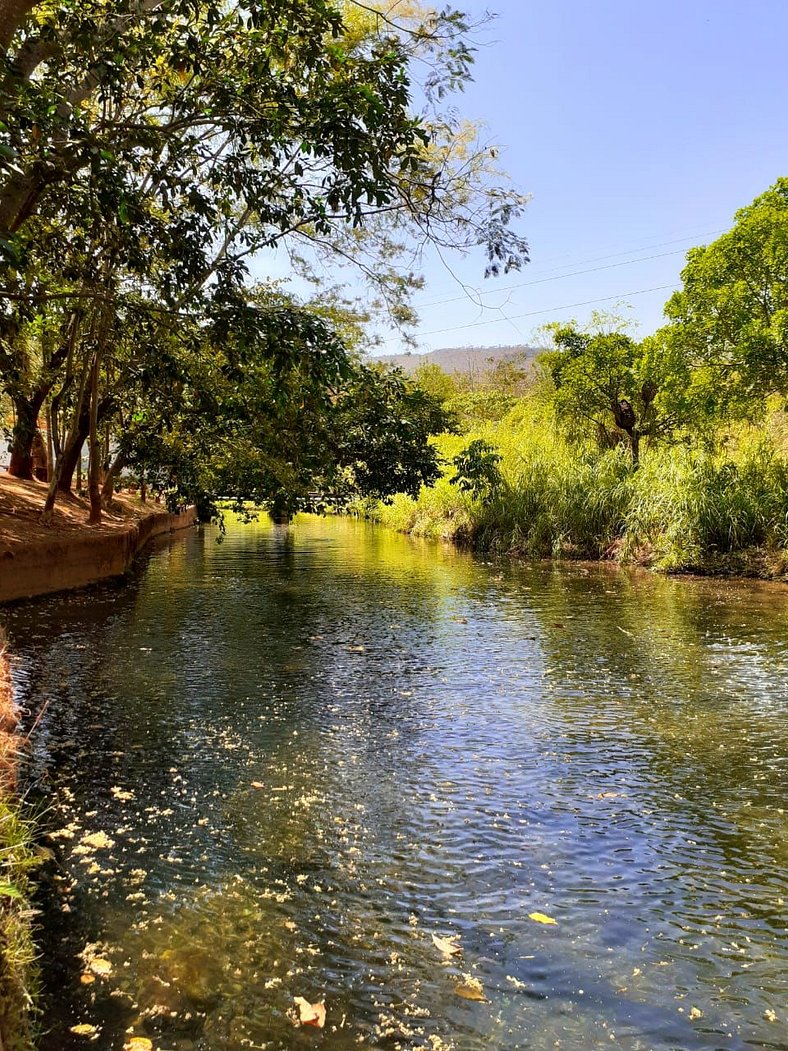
465	360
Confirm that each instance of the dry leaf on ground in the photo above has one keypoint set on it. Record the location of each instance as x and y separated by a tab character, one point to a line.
310	1014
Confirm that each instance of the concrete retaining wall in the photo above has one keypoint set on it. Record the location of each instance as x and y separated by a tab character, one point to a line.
72	562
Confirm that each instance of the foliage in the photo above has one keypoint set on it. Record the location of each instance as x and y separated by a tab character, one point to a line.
685	508
146	153
731	316
609	386
18	969
477	470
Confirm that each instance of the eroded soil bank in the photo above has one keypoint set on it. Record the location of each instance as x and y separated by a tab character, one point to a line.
37	559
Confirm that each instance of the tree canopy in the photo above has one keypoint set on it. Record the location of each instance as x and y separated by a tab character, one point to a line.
149	149
731	316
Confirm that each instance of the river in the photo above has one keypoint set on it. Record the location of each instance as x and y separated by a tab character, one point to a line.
277	766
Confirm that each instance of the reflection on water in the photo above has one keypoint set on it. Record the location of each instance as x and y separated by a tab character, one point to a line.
278	766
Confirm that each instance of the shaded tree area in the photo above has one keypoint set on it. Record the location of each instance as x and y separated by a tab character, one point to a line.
149	149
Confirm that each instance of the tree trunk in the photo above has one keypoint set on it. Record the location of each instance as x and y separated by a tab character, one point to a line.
634	440
12	14
72	445
72	451
26	412
108	489
50	443
94	444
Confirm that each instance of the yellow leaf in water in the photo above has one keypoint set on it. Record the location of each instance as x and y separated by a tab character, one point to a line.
470	989
448	946
138	1043
83	1029
87	979
99	840
695	1013
257	784
310	1014
539	917
100	966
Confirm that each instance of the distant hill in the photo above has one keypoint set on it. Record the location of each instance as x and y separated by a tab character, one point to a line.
474	361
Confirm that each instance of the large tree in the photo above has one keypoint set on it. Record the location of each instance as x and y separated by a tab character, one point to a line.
150	147
612	388
731	316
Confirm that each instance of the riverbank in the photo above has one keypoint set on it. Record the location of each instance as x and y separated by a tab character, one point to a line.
683	511
18	970
37	560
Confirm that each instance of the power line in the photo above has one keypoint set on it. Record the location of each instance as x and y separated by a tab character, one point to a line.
547	310
560	277
577	273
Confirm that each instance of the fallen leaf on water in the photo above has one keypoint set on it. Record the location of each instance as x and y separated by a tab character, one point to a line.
121	793
515	982
257	784
448	946
539	917
695	1012
138	1043
470	989
87	979
83	1029
770	1015
100	966
99	840
310	1014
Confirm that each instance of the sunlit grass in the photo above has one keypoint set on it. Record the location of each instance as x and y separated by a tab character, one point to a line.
685	508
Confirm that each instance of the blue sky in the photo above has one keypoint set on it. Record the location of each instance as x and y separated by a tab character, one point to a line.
639	128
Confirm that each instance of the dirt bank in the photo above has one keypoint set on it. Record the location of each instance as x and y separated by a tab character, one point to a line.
37	559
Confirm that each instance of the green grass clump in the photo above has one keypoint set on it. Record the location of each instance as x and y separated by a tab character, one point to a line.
685	508
18	968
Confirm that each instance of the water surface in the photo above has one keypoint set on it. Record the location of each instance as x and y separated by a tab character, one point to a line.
276	767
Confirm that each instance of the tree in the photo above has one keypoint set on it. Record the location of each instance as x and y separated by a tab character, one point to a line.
267	406
148	148
731	316
610	387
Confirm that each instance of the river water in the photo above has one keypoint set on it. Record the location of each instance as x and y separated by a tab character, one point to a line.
275	767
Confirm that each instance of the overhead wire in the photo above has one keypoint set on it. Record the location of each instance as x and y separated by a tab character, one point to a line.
546	310
575	273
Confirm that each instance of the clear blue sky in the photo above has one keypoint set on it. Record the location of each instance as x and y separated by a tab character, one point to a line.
639	127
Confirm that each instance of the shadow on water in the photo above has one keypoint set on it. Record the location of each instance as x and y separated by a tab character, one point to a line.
277	766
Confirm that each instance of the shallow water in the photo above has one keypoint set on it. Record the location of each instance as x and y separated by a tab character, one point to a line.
310	749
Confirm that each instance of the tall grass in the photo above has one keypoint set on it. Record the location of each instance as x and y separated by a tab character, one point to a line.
684	508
